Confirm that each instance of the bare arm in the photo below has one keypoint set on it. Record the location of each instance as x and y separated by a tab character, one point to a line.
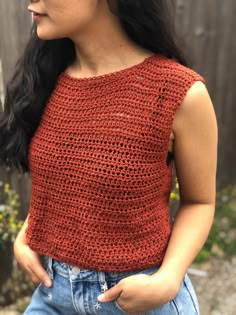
195	151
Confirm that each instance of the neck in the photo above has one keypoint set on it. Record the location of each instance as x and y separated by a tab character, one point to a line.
105	47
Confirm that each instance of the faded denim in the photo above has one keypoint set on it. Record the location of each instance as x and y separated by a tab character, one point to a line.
75	291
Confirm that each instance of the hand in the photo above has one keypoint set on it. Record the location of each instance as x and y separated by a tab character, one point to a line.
141	293
30	261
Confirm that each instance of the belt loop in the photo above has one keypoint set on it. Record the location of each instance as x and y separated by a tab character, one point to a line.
49	266
102	281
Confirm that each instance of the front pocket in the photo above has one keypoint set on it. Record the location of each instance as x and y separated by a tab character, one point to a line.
119	308
188	285
185	302
176	307
123	312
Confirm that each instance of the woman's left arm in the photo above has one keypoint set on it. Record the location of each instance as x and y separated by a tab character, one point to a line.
195	151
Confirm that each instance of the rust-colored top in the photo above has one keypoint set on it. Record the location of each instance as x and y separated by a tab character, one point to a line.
100	181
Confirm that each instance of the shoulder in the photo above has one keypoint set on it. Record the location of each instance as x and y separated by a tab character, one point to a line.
176	81
174	72
196	109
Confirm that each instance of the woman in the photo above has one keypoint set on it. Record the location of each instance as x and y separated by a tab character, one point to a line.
99	106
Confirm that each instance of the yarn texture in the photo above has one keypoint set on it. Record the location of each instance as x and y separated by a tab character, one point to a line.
100	181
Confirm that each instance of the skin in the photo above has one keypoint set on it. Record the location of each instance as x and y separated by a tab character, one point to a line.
101	44
103	47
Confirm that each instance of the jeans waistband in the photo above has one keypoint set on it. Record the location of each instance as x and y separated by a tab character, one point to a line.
76	273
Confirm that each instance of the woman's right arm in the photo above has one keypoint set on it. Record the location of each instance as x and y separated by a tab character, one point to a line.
29	260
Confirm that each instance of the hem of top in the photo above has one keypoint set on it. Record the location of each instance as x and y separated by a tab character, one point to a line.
130	267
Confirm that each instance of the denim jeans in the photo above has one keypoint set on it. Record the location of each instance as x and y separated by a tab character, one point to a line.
75	291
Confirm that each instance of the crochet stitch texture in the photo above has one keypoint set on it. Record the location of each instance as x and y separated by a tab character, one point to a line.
100	181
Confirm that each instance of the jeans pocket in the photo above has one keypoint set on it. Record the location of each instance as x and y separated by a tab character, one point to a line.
48	266
188	285
39	286
122	311
120	308
177	308
185	301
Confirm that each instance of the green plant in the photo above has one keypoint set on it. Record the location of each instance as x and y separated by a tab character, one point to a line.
174	196
222	237
9	223
22	303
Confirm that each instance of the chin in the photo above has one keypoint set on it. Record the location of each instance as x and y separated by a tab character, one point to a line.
48	35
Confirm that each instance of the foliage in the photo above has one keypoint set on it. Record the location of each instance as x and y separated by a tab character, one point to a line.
22	303
9	223
174	196
222	238
174	200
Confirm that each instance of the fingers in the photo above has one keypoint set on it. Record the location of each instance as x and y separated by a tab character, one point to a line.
30	262
38	274
111	294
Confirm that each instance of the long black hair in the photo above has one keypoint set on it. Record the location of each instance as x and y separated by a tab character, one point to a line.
147	22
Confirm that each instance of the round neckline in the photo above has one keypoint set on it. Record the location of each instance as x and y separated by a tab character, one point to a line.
109	75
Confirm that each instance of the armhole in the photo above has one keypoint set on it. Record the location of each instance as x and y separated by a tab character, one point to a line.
188	80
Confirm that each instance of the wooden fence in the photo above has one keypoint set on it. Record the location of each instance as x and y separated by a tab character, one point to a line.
15	24
207	27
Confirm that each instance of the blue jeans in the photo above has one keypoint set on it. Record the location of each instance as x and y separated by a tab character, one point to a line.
75	291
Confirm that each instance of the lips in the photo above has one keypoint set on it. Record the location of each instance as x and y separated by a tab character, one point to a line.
36	13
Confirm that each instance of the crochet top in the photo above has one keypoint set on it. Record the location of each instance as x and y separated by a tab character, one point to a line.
100	180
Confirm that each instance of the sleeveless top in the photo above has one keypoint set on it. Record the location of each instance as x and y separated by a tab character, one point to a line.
100	181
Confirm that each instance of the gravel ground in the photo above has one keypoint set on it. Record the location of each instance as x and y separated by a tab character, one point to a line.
217	291
215	287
